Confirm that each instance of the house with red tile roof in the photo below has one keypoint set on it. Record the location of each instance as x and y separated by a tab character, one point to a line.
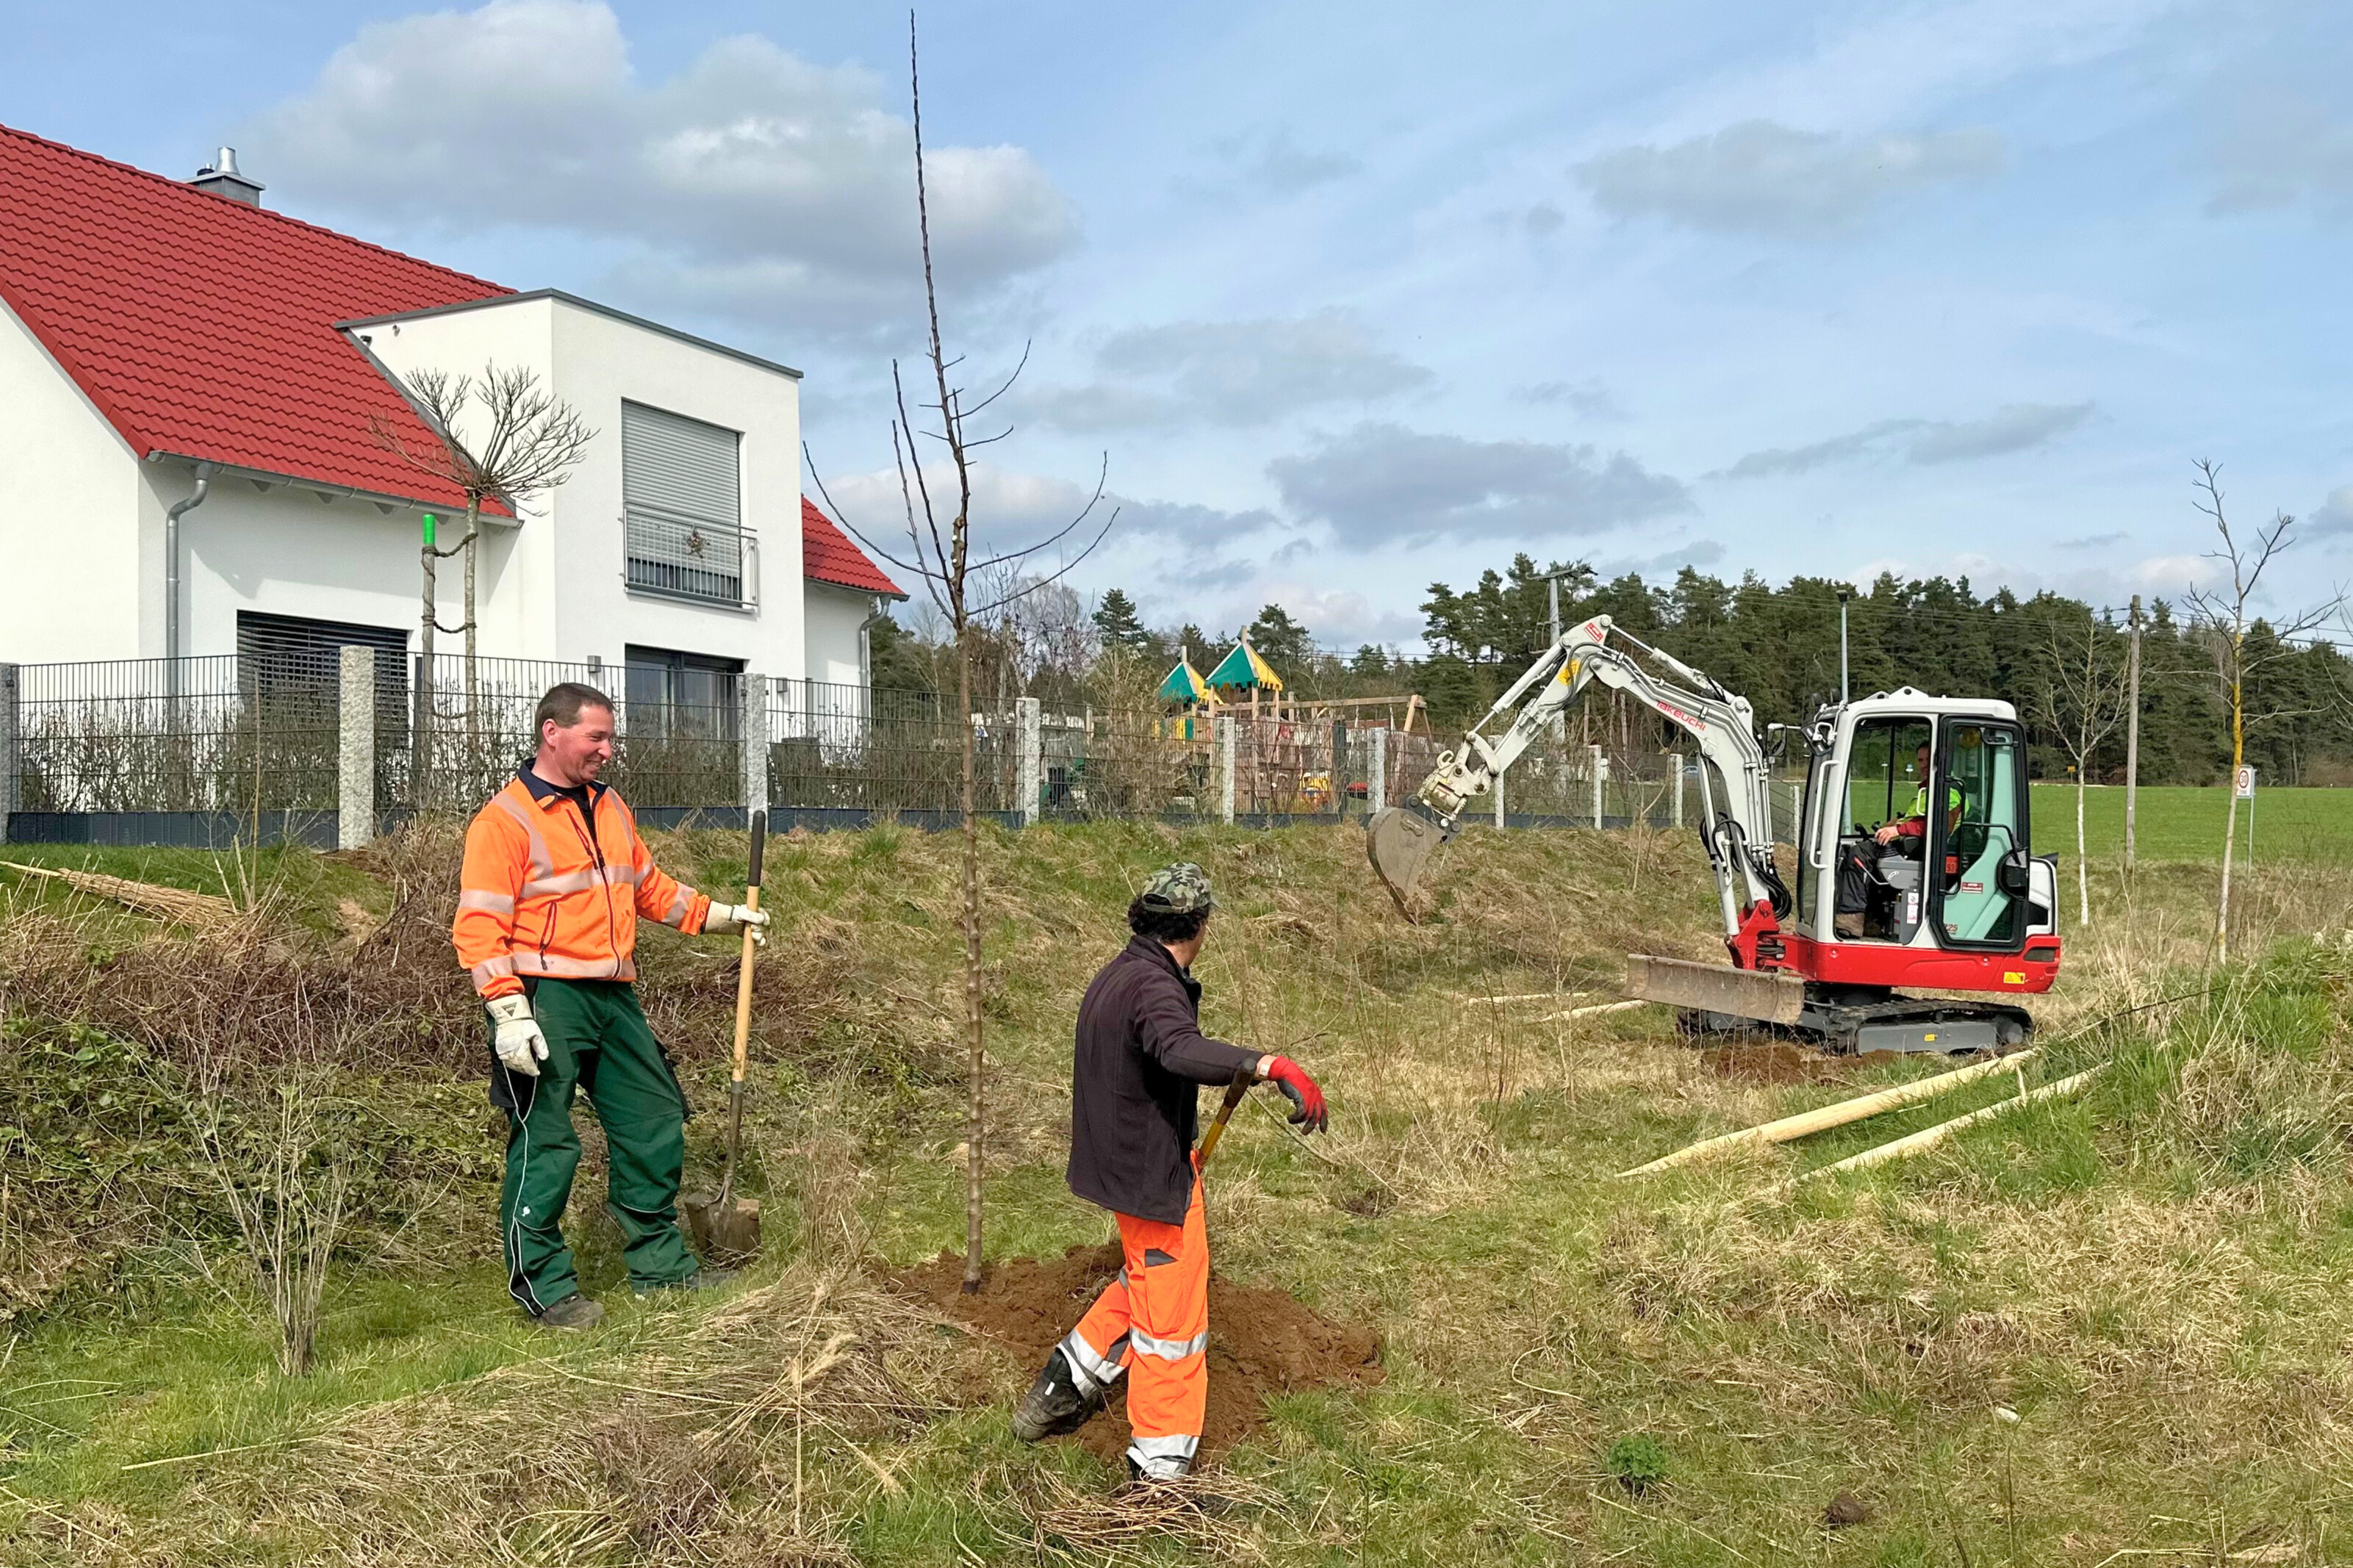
195	394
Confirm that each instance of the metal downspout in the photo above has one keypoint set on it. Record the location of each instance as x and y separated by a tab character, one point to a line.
172	573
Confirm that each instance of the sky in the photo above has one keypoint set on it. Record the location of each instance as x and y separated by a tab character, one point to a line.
1337	302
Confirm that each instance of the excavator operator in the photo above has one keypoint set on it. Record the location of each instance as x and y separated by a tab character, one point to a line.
1914	824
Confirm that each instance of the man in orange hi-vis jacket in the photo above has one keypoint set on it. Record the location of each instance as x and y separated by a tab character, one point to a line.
556	877
1140	1057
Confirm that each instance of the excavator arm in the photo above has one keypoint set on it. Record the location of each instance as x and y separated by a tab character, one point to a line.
1735	830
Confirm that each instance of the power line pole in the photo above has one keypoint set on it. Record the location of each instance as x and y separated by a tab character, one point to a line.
2132	733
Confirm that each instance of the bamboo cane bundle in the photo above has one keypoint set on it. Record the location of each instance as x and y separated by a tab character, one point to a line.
205	911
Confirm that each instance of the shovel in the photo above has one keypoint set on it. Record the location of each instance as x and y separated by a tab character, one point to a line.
1235	1093
727	1227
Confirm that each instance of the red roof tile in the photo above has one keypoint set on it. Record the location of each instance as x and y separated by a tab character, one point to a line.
829	556
205	327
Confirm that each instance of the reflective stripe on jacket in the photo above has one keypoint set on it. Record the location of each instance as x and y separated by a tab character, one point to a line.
541	895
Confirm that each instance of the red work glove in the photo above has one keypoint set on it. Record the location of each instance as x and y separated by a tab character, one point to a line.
1307	1111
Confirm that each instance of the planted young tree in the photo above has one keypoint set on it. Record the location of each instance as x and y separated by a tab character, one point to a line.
527	440
970	591
2222	616
2082	705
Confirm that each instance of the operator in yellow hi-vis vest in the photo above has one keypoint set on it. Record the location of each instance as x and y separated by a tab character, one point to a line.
1915	825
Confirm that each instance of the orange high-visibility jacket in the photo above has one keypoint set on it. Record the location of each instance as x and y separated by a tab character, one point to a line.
542	896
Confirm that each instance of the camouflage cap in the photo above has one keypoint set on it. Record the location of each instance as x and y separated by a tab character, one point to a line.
1179	889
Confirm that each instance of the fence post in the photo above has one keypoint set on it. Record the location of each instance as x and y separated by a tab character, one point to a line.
1596	789
1499	800
1226	769
356	750
1029	735
1376	784
1340	775
752	693
12	796
1679	789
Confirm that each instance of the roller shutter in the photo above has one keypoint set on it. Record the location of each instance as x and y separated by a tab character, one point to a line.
680	487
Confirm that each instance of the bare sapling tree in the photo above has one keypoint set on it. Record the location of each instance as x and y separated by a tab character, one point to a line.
2081	706
971	589
526	441
2224	616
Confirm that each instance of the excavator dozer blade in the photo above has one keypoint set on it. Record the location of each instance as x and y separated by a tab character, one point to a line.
1398	839
1768	995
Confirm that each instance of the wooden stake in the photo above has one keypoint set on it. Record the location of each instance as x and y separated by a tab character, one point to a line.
1929	1137
1823	1118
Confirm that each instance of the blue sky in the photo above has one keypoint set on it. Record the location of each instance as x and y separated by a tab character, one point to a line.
1347	300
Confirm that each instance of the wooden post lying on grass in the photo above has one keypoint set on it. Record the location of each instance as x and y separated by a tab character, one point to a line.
1823	1118
1929	1137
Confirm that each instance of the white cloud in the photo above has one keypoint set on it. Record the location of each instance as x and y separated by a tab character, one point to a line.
1273	162
2282	146
1230	374
1380	482
2014	428
1588	398
2332	519
753	182
1758	177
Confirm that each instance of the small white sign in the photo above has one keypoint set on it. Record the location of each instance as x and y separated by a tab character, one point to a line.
2245	787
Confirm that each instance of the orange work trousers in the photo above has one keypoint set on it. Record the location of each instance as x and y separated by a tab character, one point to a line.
1153	1323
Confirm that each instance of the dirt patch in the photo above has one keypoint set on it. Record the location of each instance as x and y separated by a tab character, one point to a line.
1261	1343
1778	1061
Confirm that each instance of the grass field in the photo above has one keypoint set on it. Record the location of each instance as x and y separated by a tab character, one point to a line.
2154	1279
2313	827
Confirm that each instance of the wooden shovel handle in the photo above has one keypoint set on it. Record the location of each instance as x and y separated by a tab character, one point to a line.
1235	1091
744	971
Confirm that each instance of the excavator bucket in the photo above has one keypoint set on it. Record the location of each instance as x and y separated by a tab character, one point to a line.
1398	839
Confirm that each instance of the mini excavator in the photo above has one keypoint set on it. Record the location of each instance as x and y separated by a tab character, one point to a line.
1953	901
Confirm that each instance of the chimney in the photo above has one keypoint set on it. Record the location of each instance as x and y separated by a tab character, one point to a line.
221	178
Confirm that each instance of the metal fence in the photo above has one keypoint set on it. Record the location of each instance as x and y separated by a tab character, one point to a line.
205	751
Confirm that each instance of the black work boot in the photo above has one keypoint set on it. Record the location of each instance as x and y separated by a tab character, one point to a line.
1055	1404
572	1312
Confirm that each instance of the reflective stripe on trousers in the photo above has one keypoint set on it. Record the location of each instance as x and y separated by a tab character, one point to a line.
1153	1323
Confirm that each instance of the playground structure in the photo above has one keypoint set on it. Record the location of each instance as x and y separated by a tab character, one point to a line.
1293	755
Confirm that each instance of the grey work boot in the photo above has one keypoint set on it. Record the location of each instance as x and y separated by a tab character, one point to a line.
1055	1404
572	1312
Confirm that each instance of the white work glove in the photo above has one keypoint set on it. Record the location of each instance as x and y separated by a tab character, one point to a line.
516	1034
727	920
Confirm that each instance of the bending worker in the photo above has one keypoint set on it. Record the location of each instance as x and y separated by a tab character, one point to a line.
1140	1059
556	877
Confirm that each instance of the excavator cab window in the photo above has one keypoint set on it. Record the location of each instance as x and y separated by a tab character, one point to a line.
1880	895
1976	906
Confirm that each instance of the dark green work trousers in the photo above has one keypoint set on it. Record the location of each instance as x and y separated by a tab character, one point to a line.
598	1044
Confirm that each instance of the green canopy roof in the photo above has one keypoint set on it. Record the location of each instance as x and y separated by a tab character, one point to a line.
1184	684
1242	669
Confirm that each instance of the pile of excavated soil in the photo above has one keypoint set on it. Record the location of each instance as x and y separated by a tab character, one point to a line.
1261	1343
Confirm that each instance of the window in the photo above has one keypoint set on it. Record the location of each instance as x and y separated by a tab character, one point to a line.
1978	902
286	656
681	696
1883	777
683	508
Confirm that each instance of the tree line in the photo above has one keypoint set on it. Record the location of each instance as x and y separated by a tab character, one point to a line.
1775	645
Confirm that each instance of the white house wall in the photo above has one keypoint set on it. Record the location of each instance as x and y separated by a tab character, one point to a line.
288	552
835	651
71	557
567	567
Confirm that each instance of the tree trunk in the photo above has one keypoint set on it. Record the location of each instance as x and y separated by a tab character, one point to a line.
976	1061
2231	798
2082	866
421	739
473	707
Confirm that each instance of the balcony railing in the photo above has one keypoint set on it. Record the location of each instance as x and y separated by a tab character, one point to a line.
699	562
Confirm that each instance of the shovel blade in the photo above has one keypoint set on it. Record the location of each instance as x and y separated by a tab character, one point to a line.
724	1233
1399	840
